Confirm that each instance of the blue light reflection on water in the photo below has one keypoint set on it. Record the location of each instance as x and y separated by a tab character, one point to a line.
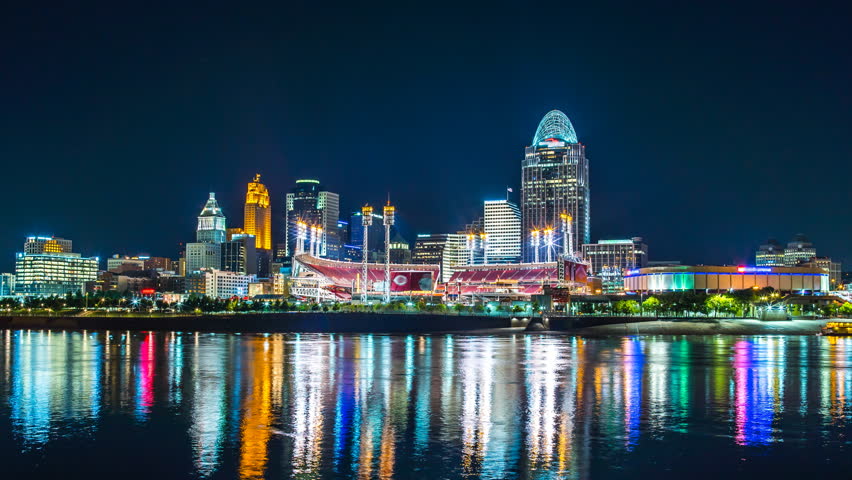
374	406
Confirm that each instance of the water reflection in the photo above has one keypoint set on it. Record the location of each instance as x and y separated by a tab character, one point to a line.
370	406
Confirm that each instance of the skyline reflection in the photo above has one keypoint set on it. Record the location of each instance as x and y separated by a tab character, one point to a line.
415	406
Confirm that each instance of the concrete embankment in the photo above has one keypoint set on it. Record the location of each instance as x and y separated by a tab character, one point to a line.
625	326
268	322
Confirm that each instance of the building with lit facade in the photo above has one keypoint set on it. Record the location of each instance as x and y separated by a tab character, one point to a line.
799	250
770	254
206	251
444	249
829	266
502	227
375	236
7	284
211	222
118	263
725	279
310	203
609	259
257	221
400	249
203	255
258	214
52	273
220	284
239	255
554	181
44	244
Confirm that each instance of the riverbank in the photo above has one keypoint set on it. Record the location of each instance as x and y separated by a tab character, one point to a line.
313	322
714	327
319	322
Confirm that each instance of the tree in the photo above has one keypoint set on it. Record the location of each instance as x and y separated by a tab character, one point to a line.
652	305
722	304
626	307
845	309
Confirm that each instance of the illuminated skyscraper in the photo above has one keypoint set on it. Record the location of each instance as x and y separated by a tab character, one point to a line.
311	204
258	214
502	226
206	252
211	222
554	180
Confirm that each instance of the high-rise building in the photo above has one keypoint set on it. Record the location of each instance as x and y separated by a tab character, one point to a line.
42	244
310	203
240	255
770	254
258	214
52	273
554	181
211	222
206	251
203	255
611	259
800	249
502	226
375	234
444	249
258	222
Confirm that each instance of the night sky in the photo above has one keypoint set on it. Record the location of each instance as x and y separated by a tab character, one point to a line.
708	128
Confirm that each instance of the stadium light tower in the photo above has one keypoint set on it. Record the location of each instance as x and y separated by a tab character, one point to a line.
470	245
548	243
301	236
367	222
536	243
389	214
567	236
313	240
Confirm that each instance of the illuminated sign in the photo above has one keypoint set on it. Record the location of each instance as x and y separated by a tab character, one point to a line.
147	291
635	271
754	269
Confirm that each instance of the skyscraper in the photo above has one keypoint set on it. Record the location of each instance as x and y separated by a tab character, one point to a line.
502	225
211	222
206	251
258	214
309	202
554	180
257	221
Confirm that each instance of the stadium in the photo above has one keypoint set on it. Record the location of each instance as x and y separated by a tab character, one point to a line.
330	280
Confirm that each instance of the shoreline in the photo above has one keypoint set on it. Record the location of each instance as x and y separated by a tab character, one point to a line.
318	322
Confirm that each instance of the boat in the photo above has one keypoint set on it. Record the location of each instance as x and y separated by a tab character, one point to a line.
837	329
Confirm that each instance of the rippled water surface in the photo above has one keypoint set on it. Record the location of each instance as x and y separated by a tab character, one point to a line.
163	405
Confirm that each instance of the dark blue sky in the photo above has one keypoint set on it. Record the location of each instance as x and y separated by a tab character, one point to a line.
708	128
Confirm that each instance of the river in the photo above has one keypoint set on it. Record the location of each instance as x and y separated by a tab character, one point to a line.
200	405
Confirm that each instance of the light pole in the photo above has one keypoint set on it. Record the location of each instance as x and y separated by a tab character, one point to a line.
389	216
536	243
366	222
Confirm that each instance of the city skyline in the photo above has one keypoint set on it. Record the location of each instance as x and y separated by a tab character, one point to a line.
648	120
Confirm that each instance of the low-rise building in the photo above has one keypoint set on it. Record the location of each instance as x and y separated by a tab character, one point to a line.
725	278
